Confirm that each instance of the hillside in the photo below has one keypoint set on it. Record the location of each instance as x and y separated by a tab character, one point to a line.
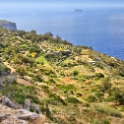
70	84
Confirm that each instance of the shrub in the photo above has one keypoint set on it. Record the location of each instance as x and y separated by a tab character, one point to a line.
34	99
75	73
99	75
106	84
67	88
72	100
55	99
91	98
19	97
21	71
46	88
79	94
38	78
117	95
99	95
15	92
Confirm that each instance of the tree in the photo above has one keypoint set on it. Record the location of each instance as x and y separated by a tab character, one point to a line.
33	32
106	84
117	95
75	73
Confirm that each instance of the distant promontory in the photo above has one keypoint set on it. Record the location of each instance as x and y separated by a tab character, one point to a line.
78	10
8	25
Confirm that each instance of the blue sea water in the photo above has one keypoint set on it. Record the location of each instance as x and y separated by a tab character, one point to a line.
99	28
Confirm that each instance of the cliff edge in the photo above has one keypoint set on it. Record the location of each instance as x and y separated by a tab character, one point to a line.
8	25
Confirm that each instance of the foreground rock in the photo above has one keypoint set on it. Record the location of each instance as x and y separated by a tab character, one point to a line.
20	116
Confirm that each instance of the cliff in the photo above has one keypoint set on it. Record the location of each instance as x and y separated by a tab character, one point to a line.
8	25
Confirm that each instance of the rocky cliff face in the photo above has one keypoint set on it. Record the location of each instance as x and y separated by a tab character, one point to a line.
17	116
8	25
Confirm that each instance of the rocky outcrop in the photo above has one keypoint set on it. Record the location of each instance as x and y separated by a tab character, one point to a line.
31	106
8	25
20	116
17	116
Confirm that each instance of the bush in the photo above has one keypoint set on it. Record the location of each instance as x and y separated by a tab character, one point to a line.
91	98
67	88
38	78
106	84
99	95
107	109
15	92
46	88
72	100
21	71
55	99
117	95
34	99
79	94
99	75
75	73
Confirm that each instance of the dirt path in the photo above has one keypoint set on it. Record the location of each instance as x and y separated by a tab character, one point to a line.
19	80
24	82
9	66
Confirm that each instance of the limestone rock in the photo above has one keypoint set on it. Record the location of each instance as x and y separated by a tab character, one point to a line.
20	116
36	108
27	104
8	25
24	114
13	121
6	101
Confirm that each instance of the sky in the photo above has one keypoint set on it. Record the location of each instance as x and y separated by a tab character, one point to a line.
21	5
64	2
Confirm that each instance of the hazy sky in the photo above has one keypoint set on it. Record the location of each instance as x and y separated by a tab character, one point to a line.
65	2
6	5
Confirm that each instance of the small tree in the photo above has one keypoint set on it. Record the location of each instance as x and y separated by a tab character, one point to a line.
106	84
117	95
75	73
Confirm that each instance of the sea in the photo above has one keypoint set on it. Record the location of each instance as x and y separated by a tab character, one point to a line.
99	28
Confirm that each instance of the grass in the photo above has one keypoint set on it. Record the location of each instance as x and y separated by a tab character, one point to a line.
41	60
66	88
107	109
19	92
15	91
101	122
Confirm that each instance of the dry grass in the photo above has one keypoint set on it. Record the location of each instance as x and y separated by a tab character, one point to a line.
100	107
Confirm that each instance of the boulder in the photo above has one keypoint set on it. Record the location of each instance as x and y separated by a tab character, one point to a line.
27	104
20	116
35	108
25	114
6	101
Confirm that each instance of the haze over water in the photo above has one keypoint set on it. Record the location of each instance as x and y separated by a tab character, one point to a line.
100	25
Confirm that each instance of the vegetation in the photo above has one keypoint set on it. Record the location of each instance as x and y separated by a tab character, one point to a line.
107	109
71	84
